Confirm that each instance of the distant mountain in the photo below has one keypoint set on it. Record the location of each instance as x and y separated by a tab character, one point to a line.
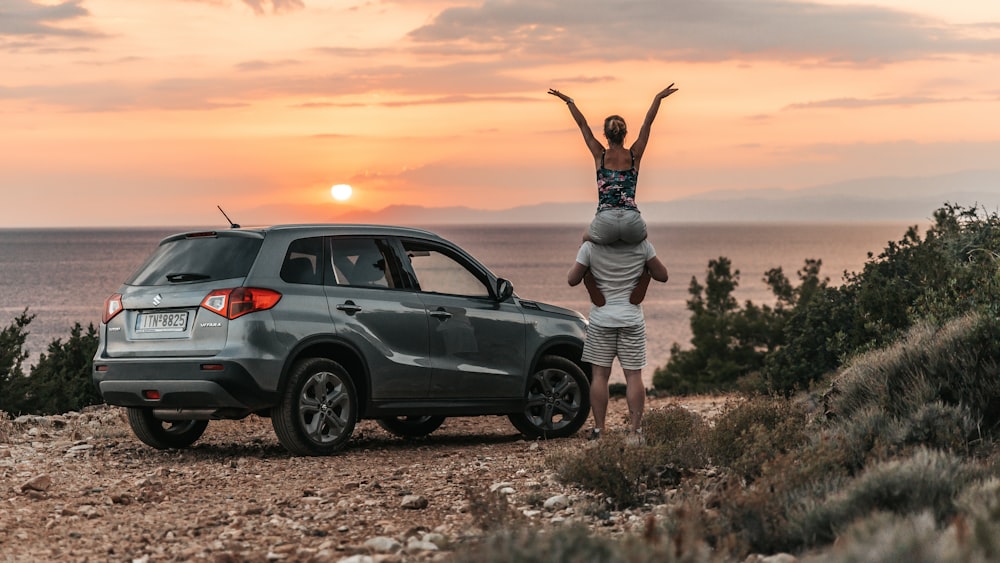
867	199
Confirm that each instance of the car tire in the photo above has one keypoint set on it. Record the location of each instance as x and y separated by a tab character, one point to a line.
557	400
164	434
411	426
318	408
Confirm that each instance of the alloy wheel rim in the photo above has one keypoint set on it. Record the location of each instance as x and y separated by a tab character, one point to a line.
324	407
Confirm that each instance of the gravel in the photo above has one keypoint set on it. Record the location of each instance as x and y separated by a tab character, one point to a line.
79	487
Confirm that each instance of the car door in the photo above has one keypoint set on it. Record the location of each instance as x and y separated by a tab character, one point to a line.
477	345
385	321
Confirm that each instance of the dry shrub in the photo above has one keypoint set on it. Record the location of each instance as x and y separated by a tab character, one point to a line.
6	427
749	433
577	544
680	435
491	510
610	466
928	480
955	364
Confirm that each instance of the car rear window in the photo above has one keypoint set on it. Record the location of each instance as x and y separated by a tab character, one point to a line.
195	258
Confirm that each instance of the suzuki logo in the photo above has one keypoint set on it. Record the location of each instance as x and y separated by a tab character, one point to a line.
157	300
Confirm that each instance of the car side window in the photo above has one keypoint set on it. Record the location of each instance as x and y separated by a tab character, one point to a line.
302	261
438	271
361	262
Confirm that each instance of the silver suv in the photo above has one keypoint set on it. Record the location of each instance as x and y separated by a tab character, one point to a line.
318	326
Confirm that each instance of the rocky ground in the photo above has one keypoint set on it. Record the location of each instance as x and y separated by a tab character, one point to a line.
80	487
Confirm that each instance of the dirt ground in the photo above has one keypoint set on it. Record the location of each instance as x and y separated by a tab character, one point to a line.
80	487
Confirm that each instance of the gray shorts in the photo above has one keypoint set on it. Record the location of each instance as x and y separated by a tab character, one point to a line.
604	343
612	225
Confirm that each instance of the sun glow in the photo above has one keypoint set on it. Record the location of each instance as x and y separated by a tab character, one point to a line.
341	192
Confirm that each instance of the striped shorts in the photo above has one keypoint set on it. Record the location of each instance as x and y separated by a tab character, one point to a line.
604	343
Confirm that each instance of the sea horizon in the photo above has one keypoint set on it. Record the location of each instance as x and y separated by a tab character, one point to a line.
63	274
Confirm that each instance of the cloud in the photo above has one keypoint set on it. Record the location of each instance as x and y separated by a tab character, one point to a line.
27	18
260	65
259	7
855	103
698	30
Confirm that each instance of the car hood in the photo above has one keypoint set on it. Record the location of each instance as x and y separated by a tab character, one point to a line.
529	305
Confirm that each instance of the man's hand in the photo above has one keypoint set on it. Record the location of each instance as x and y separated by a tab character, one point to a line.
639	291
596	297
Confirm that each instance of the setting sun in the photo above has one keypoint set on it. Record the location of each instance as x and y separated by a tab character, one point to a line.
341	192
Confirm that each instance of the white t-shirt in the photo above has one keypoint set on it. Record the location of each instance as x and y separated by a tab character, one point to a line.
616	269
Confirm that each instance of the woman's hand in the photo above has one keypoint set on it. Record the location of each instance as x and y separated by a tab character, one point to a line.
666	91
562	96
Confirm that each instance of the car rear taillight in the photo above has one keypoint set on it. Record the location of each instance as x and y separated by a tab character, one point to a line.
236	302
112	306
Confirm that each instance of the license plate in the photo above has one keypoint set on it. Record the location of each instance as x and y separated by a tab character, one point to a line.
162	322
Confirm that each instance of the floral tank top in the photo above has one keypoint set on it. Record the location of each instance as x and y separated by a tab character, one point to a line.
616	188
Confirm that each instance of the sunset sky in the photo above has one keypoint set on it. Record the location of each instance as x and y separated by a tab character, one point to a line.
152	112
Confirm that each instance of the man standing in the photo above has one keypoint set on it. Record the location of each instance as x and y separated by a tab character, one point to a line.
617	328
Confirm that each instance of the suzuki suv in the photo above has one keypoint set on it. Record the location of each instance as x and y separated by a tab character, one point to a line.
318	326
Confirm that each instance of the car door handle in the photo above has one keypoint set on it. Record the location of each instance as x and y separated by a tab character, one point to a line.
348	307
440	314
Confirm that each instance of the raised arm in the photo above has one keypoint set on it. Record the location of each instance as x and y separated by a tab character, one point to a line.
595	146
639	146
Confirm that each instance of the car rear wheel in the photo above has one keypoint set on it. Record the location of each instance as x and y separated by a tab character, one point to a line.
411	426
557	400
164	434
318	409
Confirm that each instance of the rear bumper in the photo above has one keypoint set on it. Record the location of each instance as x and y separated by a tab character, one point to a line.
179	384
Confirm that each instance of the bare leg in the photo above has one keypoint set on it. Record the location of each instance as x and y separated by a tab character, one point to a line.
635	395
599	394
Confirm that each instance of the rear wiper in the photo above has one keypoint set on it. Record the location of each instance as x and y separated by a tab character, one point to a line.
186	277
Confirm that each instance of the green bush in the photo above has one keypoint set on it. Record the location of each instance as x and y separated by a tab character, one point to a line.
730	342
61	379
12	357
949	272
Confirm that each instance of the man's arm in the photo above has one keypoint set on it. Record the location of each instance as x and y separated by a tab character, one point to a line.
655	269
577	273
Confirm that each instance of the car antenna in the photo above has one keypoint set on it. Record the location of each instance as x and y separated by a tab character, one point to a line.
231	224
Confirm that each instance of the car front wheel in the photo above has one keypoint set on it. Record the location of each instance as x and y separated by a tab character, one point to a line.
411	426
557	400
318	408
164	434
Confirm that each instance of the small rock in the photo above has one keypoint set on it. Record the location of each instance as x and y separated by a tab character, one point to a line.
414	502
382	544
557	502
357	559
415	545
437	539
497	486
40	483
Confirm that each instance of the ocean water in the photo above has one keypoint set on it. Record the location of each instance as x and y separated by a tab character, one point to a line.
63	275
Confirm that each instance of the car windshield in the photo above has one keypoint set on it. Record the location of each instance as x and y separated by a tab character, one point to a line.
203	257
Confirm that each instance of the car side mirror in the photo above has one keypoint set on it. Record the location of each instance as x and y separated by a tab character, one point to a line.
504	290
